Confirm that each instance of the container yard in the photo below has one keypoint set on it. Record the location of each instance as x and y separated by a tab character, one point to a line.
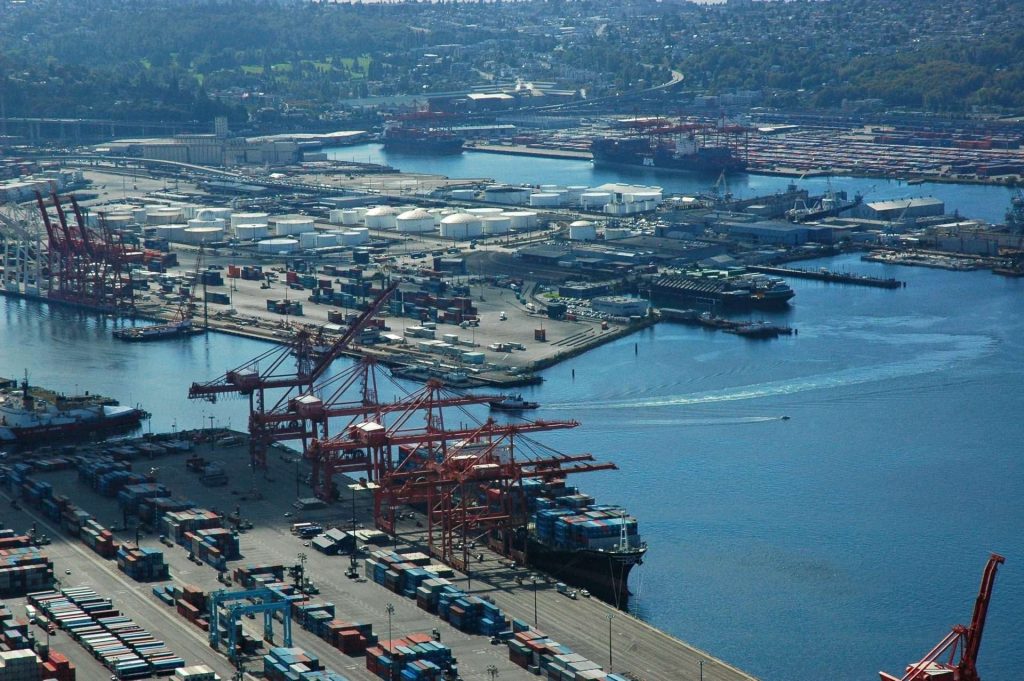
341	629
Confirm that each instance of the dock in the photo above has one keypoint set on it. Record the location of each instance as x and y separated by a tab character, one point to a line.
744	328
830	276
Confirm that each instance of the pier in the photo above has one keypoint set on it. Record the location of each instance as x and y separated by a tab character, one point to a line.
830	276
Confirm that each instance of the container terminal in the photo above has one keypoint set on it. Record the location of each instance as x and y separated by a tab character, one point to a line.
123	553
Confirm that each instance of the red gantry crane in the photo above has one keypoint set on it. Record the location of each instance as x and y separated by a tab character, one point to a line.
272	371
963	640
90	268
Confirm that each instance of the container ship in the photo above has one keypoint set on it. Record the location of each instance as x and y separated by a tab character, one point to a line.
30	413
741	292
415	140
587	545
674	152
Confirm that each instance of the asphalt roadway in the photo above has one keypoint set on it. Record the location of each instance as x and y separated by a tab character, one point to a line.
631	646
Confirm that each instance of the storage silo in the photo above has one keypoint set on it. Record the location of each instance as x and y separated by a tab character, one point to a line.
362	234
582	230
277	246
251	232
574	192
414	221
496	224
463	194
461	226
381	217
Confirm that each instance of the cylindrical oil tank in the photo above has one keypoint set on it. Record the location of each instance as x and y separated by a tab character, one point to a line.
291	226
463	194
461	226
203	235
214	213
522	219
415	220
326	240
496	224
277	246
348	238
307	240
613	233
362	235
573	193
117	222
251	232
482	212
595	200
545	199
582	230
516	196
381	217
164	216
139	215
249	219
174	233
207	222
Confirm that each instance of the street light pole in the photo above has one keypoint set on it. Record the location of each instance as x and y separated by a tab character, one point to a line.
533	580
390	609
610	618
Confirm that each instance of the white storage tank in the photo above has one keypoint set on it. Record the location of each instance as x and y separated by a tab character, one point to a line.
350	238
203	235
517	196
545	199
613	233
164	216
198	222
175	233
214	213
362	234
291	226
139	215
117	222
644	196
482	212
463	194
574	192
325	240
251	232
249	219
277	246
415	220
334	217
307	240
522	219
496	224
381	217
582	230
595	200
461	226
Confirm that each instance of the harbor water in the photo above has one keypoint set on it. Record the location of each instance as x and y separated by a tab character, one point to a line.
845	539
982	202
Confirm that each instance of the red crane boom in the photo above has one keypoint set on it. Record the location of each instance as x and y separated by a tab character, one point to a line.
965	640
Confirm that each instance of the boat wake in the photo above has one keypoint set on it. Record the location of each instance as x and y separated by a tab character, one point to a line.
964	349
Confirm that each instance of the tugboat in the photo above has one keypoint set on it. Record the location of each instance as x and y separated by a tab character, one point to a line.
512	403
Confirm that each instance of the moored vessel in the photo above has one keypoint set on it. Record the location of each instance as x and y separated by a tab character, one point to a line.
663	145
29	413
740	292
